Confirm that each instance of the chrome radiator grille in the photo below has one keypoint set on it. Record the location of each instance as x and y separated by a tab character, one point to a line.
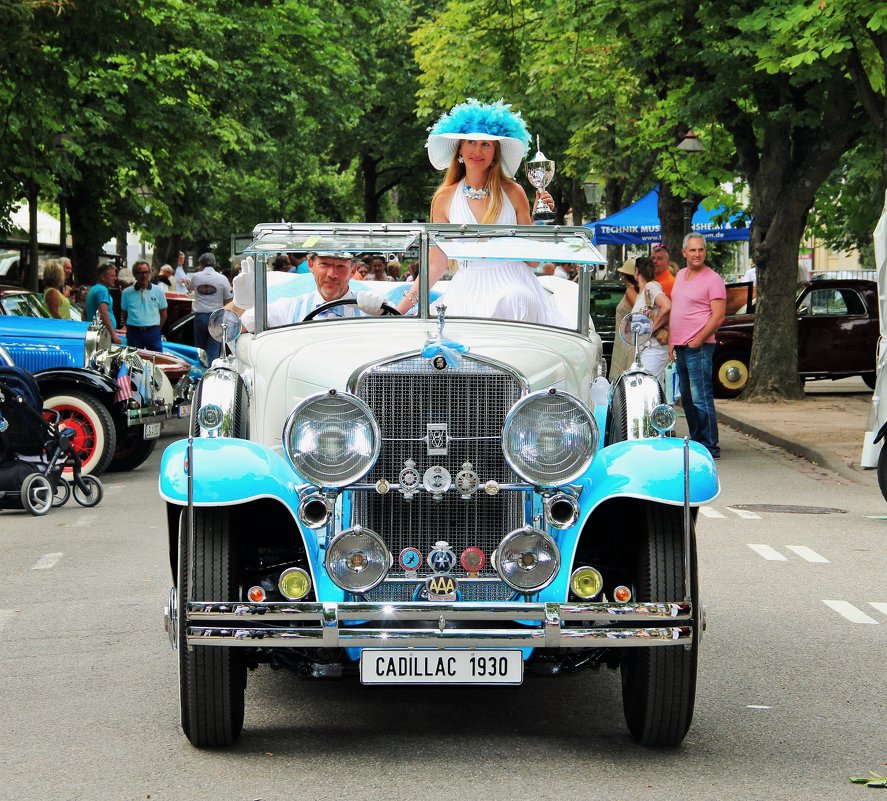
473	400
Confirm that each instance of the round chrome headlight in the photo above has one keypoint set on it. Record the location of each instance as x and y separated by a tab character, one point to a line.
549	438
663	418
527	560
357	560
332	439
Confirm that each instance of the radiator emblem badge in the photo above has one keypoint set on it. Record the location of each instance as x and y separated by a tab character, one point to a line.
437	439
442	559
441	588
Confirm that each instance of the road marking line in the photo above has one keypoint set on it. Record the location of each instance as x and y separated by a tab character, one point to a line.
708	511
807	553
5	615
850	612
880	607
47	561
744	514
768	553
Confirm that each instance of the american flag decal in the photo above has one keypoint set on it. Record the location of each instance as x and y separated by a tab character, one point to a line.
124	386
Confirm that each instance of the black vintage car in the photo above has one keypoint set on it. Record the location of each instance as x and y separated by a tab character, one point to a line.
837	335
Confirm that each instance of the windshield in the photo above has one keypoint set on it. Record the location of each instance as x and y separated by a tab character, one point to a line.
523	274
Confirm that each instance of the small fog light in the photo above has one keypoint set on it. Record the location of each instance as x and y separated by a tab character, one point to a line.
294	583
622	594
586	582
358	560
256	594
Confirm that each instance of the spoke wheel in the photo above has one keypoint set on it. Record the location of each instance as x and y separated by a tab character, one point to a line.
37	494
659	684
730	374
94	437
95	491
212	679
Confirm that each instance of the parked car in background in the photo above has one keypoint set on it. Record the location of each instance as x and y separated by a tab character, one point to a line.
441	499
117	413
837	335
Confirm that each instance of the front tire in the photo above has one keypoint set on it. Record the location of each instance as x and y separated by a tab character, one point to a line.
882	470
730	373
212	680
95	439
659	683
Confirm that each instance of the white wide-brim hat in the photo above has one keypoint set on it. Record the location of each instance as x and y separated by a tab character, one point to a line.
475	120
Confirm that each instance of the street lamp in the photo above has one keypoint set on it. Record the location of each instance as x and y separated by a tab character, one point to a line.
592	191
688	205
689	144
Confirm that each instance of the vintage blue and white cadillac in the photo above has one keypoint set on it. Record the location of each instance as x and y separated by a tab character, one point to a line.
430	498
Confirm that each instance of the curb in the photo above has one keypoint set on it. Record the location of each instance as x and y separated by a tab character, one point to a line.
825	459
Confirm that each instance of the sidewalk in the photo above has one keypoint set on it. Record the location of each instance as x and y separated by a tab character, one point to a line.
826	428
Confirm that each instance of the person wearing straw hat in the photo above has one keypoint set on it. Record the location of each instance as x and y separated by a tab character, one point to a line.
623	353
481	146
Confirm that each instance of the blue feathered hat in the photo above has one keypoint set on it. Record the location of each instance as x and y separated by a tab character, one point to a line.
475	120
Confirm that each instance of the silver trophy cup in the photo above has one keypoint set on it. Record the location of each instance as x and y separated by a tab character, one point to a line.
540	172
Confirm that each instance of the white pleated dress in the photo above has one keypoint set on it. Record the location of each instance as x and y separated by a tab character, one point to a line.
502	290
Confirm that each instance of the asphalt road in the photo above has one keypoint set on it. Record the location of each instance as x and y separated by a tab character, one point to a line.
790	702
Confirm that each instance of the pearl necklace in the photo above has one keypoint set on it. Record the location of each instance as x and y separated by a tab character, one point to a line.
476	194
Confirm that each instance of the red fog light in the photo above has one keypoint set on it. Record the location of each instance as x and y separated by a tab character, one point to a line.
256	594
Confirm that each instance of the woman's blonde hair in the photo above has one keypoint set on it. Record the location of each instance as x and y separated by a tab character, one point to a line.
496	181
53	274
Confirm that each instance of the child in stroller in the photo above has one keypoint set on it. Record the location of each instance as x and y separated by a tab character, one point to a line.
34	451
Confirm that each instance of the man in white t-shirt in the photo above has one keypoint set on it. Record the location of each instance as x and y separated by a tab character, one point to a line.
332	271
211	292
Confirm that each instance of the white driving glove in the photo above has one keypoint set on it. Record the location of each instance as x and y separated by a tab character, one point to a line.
244	286
370	303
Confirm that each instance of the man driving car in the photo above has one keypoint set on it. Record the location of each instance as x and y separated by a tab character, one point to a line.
332	271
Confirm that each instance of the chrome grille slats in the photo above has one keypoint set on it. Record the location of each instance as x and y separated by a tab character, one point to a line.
473	400
398	592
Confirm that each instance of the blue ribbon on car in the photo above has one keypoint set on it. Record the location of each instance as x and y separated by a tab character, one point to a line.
448	348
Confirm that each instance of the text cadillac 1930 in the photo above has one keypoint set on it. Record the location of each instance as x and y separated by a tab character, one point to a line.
424	499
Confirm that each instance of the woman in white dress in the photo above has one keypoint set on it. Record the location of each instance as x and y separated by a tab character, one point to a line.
481	146
654	303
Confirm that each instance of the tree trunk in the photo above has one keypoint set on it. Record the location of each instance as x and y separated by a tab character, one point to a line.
368	168
671	222
88	230
30	278
784	172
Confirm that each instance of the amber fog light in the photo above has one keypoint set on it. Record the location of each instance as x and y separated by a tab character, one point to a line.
586	582
294	583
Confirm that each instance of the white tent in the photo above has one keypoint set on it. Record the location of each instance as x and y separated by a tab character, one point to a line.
48	227
878	414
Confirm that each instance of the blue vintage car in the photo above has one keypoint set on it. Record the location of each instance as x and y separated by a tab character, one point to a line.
77	370
431	499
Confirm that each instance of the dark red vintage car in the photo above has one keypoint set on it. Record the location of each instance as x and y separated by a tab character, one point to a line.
837	336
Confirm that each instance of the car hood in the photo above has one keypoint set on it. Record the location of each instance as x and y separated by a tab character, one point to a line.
296	362
40	328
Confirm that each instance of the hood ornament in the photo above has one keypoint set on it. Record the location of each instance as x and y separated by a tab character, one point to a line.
442	351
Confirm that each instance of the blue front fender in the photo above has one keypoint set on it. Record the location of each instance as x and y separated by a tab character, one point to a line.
652	469
226	471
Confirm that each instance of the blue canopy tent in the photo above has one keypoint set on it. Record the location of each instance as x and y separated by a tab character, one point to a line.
638	224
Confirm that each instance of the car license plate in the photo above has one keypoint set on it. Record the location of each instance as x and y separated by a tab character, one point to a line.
422	666
184	410
152	430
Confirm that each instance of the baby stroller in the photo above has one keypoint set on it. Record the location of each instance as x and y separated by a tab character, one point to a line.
34	451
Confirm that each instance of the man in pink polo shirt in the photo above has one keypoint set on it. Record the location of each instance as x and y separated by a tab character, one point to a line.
698	306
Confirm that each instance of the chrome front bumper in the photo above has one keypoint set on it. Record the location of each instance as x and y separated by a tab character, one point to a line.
434	625
147	414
